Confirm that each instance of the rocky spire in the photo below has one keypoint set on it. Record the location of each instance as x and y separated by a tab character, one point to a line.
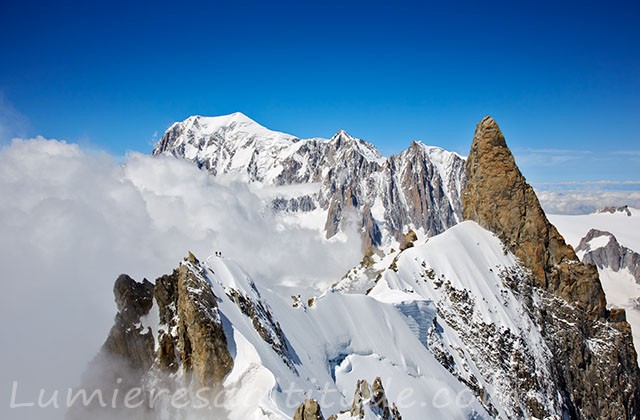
308	410
564	296
127	338
376	399
498	197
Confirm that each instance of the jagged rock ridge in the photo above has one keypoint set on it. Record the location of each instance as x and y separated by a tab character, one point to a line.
612	210
417	188
309	410
610	254
499	199
266	349
369	401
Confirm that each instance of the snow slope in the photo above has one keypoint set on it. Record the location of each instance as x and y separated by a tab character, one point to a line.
441	329
461	272
332	343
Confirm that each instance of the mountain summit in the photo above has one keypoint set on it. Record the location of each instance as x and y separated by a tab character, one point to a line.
348	179
498	197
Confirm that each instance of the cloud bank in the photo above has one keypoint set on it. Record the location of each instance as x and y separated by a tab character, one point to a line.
567	201
71	221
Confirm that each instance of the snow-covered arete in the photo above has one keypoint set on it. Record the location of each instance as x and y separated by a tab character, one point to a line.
432	329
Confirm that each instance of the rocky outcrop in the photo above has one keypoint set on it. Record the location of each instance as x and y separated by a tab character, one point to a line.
612	210
265	325
308	410
125	357
612	255
417	188
191	335
369	401
360	397
564	296
201	340
408	240
375	399
128	338
191	350
380	403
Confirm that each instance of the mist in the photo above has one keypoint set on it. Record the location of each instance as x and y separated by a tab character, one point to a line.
71	221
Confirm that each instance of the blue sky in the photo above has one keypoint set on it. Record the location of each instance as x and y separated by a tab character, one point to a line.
561	78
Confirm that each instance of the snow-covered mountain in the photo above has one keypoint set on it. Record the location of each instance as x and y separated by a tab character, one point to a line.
343	180
494	317
610	239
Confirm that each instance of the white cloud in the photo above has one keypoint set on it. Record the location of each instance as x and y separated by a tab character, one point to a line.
71	221
585	201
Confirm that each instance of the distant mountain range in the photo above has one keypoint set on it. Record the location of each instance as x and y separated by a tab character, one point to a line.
346	178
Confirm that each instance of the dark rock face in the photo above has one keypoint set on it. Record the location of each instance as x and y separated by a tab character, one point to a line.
308	410
421	188
127	338
125	356
193	336
564	296
201	340
190	338
613	255
500	200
